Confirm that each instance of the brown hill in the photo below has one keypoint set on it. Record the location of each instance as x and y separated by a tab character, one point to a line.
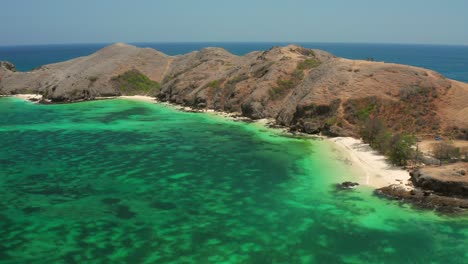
307	90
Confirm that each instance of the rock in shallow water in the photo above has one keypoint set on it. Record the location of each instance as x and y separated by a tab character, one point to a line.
347	185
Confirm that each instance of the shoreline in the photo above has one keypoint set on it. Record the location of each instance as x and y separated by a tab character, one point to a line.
375	169
368	167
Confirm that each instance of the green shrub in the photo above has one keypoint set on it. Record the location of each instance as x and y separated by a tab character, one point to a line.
364	113
297	75
282	86
134	82
400	149
214	84
308	64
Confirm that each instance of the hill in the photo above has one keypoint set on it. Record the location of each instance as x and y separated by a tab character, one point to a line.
307	90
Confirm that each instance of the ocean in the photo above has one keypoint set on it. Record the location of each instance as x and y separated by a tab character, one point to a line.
451	61
124	181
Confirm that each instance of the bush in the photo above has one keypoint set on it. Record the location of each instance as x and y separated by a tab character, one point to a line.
371	130
282	86
214	84
308	64
445	151
400	149
364	113
134	82
297	75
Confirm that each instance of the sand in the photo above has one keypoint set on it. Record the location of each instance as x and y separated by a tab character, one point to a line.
29	96
139	98
375	170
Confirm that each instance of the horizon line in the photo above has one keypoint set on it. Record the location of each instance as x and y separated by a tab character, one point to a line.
231	42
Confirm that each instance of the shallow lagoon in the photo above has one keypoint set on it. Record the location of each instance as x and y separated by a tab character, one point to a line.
125	181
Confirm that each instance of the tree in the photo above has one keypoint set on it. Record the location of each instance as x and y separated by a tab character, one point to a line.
400	149
382	142
371	129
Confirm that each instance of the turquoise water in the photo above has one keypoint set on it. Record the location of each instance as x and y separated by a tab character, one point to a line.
451	61
122	181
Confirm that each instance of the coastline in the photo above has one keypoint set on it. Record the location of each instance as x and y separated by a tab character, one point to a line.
374	168
368	167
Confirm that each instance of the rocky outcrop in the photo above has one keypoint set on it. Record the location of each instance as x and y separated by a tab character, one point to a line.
307	90
444	188
424	199
449	186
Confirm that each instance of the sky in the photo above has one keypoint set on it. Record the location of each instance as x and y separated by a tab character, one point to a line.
26	22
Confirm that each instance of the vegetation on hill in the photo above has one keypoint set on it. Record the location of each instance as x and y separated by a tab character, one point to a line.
413	112
308	64
285	85
134	82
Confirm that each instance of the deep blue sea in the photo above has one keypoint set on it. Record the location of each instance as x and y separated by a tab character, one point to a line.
451	61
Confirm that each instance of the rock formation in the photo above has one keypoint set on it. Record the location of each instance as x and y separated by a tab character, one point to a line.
444	188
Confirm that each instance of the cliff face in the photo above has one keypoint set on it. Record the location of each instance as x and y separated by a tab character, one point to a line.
307	90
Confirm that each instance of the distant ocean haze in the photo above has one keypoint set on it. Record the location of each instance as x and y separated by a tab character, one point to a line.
451	61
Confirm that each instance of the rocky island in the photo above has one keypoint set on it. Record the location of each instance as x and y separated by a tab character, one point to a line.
309	91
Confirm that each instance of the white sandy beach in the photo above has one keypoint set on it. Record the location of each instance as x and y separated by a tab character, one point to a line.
29	96
138	97
376	171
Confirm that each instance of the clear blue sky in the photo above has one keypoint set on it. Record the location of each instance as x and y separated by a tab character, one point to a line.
97	21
